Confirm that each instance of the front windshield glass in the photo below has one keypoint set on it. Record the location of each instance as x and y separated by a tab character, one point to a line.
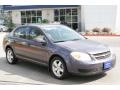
61	33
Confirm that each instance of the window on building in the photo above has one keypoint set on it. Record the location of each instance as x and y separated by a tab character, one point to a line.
39	13
39	19
28	13
33	13
74	11
68	11
62	11
32	16
34	20
56	12
23	13
56	18
23	20
69	16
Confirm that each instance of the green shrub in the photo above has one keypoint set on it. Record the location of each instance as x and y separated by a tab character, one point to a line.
45	21
10	26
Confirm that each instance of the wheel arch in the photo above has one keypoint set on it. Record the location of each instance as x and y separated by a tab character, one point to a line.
55	55
8	46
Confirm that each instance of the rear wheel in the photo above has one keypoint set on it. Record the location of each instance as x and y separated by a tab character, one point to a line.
10	56
58	68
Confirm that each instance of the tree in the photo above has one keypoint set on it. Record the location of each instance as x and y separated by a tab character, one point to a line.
8	21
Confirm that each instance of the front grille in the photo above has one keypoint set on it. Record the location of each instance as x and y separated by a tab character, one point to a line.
102	55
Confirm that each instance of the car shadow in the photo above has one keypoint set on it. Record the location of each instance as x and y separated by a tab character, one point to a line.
40	73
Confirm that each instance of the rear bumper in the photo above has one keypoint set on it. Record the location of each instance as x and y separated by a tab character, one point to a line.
93	67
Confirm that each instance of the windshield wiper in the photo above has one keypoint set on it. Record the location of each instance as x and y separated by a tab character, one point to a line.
58	41
66	40
75	39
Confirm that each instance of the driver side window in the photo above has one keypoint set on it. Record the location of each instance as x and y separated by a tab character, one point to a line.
36	34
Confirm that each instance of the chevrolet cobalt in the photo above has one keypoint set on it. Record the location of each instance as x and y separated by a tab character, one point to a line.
60	48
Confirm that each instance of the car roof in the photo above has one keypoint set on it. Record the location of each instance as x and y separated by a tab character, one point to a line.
41	25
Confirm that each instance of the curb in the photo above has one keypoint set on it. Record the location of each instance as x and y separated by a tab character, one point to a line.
104	35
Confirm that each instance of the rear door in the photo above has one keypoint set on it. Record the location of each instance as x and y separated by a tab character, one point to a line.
21	42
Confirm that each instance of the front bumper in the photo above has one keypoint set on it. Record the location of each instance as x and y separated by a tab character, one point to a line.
91	68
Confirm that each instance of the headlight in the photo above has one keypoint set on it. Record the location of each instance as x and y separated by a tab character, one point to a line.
80	56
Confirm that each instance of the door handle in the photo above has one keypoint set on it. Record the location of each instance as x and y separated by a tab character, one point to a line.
24	43
12	41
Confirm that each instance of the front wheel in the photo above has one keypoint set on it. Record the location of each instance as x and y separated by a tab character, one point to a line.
58	68
10	56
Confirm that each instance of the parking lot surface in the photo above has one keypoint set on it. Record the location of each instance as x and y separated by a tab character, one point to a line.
28	73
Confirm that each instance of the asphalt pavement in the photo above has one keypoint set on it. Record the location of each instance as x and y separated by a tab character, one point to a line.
27	73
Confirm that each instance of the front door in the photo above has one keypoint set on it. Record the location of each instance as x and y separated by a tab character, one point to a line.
37	50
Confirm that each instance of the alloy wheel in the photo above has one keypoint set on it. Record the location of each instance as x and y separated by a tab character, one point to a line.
10	56
58	68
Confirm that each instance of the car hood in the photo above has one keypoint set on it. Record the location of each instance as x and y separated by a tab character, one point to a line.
86	46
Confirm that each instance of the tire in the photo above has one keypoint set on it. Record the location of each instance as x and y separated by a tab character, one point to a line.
58	68
10	56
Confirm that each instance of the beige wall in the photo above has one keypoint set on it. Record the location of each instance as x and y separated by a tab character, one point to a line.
16	17
48	14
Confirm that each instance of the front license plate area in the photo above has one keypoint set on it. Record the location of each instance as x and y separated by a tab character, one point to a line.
107	65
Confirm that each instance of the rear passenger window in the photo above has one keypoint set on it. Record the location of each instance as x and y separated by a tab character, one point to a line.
22	32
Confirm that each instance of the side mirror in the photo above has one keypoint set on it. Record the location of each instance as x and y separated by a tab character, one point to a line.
43	42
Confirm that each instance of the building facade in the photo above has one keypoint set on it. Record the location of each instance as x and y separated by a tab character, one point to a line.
80	17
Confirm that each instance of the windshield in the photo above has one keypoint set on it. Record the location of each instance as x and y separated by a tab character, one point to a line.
61	33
